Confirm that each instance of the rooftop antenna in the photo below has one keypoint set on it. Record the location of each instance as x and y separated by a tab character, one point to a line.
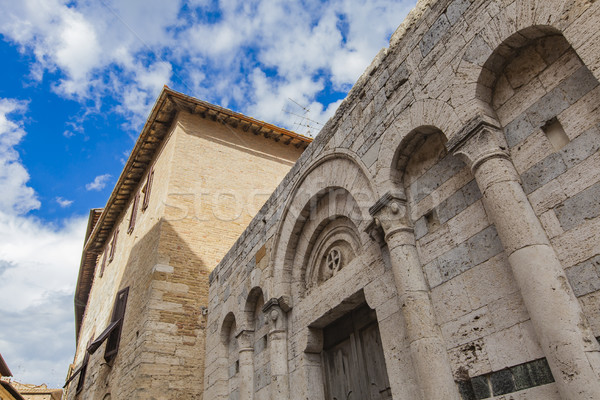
302	123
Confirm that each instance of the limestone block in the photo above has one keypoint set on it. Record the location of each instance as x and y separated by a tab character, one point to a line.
518	130
566	65
581	147
590	303
450	300
578	244
547	197
524	68
508	311
543	172
531	151
578	84
467	328
522	100
551	224
585	277
456	9
582	115
434	34
470	360
548	106
582	176
458	202
490	281
469	222
583	206
502	92
511	347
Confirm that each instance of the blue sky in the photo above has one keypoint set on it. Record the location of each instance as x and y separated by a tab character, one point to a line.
79	80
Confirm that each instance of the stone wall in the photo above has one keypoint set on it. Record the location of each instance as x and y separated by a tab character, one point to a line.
199	205
459	181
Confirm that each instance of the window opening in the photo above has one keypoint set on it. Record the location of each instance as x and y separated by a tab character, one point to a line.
556	134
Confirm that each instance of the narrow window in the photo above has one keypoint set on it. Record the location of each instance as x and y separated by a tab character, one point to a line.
112	333
112	344
113	245
133	213
146	190
555	134
82	372
432	221
103	265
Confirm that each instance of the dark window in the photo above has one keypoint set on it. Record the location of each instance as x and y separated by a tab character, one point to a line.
114	337
146	190
113	245
112	333
82	372
133	213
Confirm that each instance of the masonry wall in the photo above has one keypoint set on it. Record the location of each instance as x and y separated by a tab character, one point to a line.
134	258
166	260
530	69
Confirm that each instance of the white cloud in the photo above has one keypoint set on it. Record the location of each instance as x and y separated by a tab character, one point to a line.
64	203
38	269
15	197
98	183
127	50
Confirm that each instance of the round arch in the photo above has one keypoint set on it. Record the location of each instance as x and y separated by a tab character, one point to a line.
338	170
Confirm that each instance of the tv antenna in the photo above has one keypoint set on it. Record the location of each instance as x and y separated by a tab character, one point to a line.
302	124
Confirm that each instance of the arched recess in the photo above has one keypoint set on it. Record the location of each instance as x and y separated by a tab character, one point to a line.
547	102
426	115
229	353
256	322
520	21
338	179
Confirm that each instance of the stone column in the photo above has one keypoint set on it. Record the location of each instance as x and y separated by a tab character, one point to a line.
559	323
428	352
275	312
246	359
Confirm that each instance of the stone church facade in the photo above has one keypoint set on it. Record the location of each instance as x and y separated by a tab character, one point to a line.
440	238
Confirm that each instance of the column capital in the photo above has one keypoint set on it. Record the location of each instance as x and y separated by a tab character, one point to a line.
391	214
276	310
245	338
479	140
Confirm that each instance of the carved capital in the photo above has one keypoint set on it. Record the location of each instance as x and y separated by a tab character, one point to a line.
481	139
245	338
391	214
275	311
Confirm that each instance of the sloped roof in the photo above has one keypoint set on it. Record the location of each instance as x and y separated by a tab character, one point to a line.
4	371
168	104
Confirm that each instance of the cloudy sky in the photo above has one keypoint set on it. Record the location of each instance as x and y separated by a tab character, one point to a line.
78	81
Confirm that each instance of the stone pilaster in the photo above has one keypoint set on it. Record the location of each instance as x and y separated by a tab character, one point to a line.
246	359
277	320
559	323
428	352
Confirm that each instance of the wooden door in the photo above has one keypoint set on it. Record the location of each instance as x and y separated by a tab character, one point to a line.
353	361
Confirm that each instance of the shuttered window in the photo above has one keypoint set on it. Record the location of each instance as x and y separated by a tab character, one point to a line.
103	265
113	245
146	189
114	336
133	213
112	333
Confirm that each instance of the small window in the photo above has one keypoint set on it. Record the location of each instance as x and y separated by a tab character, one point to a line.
432	221
556	134
113	245
146	190
103	265
133	213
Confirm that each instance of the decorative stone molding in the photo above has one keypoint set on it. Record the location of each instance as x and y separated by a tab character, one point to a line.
478	141
390	213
